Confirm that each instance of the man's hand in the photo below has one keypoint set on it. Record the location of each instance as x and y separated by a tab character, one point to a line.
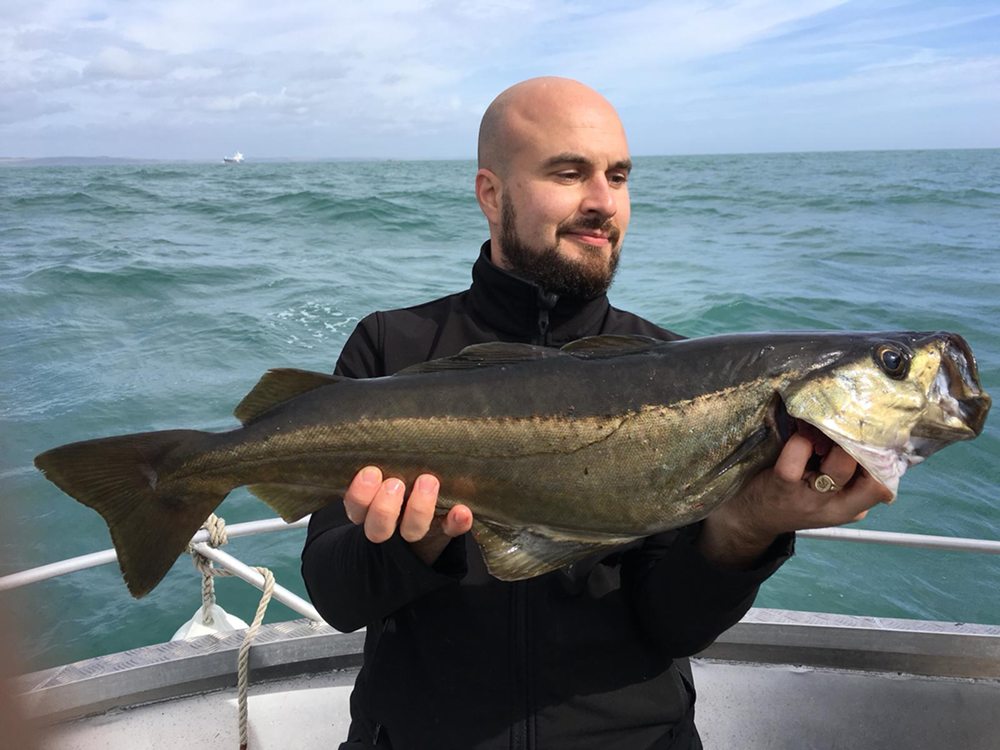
379	506
781	499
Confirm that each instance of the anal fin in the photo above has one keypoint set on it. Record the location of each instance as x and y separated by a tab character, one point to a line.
293	501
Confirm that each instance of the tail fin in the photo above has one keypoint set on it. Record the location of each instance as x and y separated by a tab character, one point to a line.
151	517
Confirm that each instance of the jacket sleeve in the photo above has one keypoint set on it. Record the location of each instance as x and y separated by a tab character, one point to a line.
682	601
351	581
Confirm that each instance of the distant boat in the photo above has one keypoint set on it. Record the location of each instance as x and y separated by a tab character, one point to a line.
236	158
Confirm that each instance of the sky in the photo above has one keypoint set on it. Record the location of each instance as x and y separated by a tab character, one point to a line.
409	79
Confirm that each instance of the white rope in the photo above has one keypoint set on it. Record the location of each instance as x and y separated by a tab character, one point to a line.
244	660
216	528
217	536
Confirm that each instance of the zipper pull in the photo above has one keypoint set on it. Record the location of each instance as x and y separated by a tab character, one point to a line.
543	326
546	301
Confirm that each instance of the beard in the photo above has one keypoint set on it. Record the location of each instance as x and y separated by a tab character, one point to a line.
582	278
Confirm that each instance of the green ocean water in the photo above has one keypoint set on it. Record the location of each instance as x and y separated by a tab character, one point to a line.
151	297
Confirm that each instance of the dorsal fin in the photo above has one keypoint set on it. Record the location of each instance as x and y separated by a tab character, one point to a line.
610	345
491	354
278	386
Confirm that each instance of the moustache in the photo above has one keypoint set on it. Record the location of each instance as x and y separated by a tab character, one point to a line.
605	226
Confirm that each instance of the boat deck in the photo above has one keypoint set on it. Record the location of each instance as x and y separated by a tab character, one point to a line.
777	680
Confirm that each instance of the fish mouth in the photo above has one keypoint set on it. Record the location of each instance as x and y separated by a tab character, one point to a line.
785	425
887	465
960	405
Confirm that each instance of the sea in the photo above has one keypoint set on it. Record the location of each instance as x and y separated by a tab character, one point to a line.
153	296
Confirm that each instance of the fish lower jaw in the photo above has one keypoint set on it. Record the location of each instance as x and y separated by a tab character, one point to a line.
887	465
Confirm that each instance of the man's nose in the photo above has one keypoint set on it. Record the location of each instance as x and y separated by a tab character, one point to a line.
599	197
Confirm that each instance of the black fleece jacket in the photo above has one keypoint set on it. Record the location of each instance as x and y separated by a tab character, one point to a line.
588	657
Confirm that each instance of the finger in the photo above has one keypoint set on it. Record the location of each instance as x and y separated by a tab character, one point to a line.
361	492
458	521
875	488
839	466
853	503
792	460
821	444
419	511
383	513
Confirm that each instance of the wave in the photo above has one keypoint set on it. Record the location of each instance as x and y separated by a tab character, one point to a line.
154	297
63	201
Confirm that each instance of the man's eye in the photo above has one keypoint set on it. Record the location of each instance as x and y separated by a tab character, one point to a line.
568	175
619	178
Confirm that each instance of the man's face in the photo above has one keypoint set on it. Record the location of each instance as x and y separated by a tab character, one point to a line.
583	277
565	203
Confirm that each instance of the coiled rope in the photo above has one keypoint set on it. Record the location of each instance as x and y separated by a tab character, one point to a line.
216	528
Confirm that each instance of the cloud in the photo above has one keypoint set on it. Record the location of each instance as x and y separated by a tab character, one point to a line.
28	63
411	77
660	35
115	62
389	62
21	107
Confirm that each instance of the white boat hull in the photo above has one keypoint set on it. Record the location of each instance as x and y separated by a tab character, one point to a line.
779	680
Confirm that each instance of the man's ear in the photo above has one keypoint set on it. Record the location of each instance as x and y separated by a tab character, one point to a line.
488	192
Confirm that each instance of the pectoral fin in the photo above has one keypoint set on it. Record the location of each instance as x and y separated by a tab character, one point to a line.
513	554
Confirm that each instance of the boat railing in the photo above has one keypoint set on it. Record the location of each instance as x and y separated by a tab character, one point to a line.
900	539
299	605
200	542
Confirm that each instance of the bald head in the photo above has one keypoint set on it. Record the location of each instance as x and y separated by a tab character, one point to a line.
553	185
524	108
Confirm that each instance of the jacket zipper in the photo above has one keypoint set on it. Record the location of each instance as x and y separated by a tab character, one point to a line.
377	729
546	301
543	327
522	729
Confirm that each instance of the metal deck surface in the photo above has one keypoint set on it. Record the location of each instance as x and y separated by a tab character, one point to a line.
779	680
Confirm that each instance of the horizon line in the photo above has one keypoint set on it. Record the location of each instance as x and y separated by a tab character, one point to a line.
14	160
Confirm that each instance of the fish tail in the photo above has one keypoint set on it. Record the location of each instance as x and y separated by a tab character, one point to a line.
151	515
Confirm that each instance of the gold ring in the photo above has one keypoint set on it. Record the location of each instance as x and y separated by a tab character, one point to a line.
824	483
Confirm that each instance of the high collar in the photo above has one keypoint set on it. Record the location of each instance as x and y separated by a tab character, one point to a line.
515	306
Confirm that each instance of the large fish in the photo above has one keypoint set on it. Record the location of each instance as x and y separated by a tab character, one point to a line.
559	453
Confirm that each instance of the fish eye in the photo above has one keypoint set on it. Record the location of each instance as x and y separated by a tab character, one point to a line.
893	360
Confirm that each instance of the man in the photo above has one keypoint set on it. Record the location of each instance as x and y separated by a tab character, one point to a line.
587	657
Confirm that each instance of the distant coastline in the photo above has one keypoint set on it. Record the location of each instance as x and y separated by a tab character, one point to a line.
99	161
71	161
79	161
